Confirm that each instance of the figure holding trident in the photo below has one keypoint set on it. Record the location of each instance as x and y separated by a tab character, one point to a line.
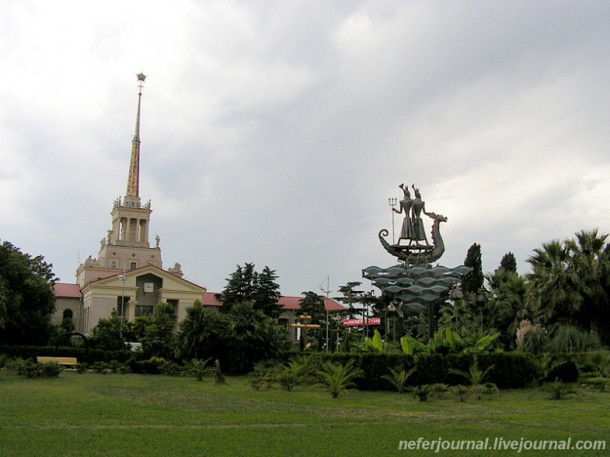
406	205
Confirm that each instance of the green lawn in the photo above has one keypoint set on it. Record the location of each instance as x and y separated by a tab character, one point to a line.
142	415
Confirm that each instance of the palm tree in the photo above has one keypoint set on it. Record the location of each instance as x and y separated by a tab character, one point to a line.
570	283
552	291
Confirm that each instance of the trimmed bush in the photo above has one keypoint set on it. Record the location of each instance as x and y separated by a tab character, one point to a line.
82	354
511	369
564	372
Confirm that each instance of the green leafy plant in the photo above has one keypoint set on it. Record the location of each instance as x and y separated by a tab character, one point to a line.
422	392
337	377
262	376
476	377
449	341
411	346
398	377
559	390
31	369
198	368
460	391
219	377
375	344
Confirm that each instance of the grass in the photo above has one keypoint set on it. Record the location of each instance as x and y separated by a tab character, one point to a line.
141	415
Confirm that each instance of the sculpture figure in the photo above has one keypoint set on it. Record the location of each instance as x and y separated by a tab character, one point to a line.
406	204
418	224
415	255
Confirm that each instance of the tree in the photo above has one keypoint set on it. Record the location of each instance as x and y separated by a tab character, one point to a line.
267	293
27	298
203	333
159	335
473	281
591	259
552	290
570	285
108	333
509	262
253	337
351	295
246	284
506	302
312	305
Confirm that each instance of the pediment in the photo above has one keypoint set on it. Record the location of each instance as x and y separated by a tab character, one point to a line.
130	280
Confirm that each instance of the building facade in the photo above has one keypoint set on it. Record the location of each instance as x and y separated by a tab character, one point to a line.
128	275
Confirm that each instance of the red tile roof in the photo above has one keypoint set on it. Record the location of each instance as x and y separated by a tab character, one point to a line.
288	303
64	290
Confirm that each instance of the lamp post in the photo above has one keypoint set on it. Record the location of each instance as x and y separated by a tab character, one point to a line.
366	296
122	278
328	291
392	202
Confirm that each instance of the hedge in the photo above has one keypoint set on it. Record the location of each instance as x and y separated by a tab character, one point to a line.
82	354
511	370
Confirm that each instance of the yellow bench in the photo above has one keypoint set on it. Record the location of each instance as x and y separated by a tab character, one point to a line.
59	360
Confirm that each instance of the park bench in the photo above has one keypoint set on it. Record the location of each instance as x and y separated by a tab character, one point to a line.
69	361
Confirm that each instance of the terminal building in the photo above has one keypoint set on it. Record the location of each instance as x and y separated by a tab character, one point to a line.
128	275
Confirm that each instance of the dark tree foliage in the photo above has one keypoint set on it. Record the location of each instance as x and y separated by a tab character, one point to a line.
509	262
473	281
312	305
246	284
158	339
203	333
267	293
27	298
238	338
254	337
350	295
110	334
569	284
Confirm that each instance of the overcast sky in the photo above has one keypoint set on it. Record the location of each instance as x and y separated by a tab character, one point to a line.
274	132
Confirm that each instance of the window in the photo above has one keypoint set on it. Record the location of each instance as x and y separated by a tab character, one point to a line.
142	310
68	314
122	303
132	266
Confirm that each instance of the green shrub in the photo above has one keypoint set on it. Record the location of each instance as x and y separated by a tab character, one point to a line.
566	372
398	377
569	339
430	369
559	391
535	342
338	378
198	368
512	370
50	370
170	368
82	353
422	392
219	377
31	369
262	376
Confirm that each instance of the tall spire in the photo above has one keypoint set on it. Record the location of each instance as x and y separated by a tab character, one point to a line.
132	197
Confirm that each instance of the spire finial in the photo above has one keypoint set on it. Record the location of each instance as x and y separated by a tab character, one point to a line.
132	198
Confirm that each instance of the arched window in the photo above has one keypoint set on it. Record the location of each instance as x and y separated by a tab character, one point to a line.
68	314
